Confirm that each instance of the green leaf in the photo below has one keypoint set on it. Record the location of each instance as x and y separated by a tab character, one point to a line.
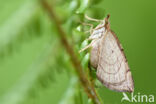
11	28
85	60
83	6
68	97
19	92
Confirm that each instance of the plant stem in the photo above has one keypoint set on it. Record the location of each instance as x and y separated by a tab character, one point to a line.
74	59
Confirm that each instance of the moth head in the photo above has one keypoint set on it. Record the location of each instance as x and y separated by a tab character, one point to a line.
107	24
104	23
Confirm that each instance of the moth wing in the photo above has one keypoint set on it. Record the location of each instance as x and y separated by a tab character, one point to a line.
94	54
97	33
113	70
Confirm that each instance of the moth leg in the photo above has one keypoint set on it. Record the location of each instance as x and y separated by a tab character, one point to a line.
92	19
88	46
91	27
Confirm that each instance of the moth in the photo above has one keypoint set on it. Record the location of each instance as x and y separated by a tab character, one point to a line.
108	58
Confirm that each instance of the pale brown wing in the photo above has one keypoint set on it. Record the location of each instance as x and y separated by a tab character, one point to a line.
113	70
94	54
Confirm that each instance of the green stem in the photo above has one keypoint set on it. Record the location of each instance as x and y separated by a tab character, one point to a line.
74	59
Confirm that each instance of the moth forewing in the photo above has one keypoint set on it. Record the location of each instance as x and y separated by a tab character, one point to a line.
113	70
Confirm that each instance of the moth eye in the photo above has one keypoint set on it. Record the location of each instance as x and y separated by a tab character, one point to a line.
112	51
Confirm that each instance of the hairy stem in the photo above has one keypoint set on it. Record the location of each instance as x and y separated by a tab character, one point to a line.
74	59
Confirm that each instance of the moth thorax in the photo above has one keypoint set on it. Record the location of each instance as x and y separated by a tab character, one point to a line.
97	33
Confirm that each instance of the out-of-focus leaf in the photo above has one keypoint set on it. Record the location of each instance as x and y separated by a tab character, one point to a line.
11	28
70	93
90	101
96	12
18	93
83	6
84	43
94	2
85	60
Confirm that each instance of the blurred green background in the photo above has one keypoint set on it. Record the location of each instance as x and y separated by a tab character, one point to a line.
34	67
